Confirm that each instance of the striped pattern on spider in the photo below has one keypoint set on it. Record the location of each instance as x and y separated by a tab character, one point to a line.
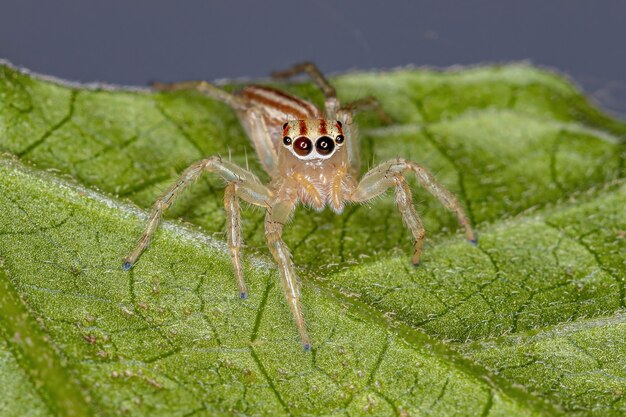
312	158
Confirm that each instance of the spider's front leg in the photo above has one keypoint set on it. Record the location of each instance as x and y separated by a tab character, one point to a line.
241	184
390	174
206	88
275	219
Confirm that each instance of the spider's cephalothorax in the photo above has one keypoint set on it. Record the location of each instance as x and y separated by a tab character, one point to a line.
313	163
312	158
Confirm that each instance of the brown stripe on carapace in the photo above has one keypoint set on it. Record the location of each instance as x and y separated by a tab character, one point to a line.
311	108
284	108
280	101
303	127
263	101
323	128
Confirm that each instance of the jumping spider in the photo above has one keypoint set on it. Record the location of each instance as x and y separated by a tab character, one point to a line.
312	158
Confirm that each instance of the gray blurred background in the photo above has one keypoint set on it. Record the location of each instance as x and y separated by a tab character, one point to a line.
134	41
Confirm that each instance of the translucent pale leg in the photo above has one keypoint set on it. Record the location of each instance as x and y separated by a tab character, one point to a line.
241	184
233	234
390	174
250	116
367	103
204	87
352	140
404	200
345	115
275	219
254	123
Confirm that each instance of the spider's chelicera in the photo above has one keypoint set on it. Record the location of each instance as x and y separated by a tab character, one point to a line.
312	158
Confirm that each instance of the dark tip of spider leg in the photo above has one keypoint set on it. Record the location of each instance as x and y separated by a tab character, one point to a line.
416	264
243	295
127	266
473	241
307	347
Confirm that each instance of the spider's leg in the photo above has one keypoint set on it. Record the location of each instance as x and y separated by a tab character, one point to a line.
331	102
251	117
375	183
255	125
345	115
204	87
191	174
391	173
241	184
449	200
275	219
233	234
352	139
367	103
313	72
404	200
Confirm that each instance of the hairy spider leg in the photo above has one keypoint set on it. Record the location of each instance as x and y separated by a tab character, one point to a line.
275	220
367	103
209	89
251	117
404	200
233	234
241	184
390	174
352	142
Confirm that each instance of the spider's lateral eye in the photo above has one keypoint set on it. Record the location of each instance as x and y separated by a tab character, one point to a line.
339	139
339	123
324	145
287	140
285	126
303	146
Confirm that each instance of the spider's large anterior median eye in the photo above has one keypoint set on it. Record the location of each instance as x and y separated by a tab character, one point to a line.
324	145
303	146
287	140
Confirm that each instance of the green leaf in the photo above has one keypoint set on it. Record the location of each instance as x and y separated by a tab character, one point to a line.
529	322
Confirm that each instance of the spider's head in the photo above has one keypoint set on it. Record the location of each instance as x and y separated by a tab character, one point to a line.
313	138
